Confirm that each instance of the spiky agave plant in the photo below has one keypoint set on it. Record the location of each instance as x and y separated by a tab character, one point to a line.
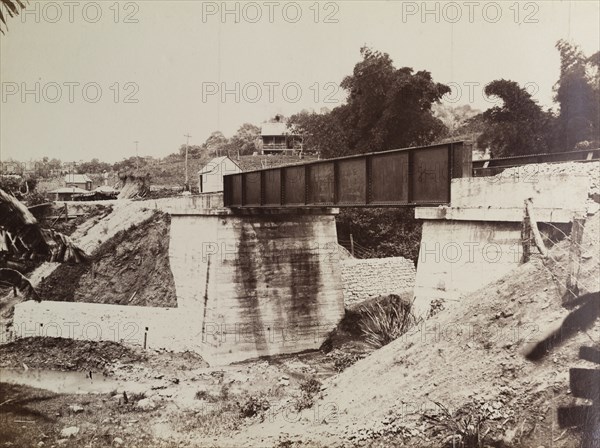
382	324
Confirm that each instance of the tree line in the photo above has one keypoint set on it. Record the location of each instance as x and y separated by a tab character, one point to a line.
390	108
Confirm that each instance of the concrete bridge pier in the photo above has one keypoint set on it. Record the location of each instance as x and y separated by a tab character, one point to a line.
256	282
477	239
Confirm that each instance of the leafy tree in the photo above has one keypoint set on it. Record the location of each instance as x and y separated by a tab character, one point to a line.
216	143
577	92
455	118
54	164
246	139
277	119
22	188
519	126
386	232
389	108
11	184
129	165
321	133
194	151
93	166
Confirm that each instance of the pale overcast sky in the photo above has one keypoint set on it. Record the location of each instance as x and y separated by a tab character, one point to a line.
172	57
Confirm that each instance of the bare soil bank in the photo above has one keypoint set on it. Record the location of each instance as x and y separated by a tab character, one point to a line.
131	268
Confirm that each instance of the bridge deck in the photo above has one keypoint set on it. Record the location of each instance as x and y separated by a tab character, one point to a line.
401	177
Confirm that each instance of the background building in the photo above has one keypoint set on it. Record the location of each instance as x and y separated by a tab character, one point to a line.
278	139
78	180
210	176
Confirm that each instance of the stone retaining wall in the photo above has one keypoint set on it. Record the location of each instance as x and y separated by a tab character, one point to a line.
372	277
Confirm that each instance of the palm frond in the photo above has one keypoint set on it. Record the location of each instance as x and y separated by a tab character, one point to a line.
17	280
13	8
23	236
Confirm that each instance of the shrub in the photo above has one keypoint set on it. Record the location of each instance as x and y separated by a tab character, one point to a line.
342	360
309	389
467	426
312	386
137	396
384	322
204	395
436	306
254	405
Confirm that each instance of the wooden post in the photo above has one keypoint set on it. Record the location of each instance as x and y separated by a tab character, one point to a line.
575	255
351	245
537	237
526	238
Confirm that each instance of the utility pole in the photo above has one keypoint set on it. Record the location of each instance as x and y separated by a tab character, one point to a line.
187	144
137	159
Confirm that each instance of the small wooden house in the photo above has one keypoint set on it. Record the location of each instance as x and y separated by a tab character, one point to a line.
79	181
210	177
277	138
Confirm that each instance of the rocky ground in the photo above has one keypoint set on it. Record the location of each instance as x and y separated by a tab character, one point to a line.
159	398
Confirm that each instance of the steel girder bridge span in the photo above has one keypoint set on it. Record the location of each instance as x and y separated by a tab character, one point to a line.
417	176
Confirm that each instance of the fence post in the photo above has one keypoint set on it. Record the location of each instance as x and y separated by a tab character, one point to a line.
537	237
526	237
351	245
575	255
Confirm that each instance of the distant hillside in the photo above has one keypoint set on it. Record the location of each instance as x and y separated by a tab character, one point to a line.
172	172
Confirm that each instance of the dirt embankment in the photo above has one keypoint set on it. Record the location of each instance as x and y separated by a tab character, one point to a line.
131	268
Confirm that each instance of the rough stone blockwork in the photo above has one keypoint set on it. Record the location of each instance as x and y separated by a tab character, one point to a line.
363	279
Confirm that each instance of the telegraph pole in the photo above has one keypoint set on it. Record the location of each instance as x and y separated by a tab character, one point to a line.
137	159
187	144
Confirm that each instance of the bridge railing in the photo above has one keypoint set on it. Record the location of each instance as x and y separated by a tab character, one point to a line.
490	167
401	177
